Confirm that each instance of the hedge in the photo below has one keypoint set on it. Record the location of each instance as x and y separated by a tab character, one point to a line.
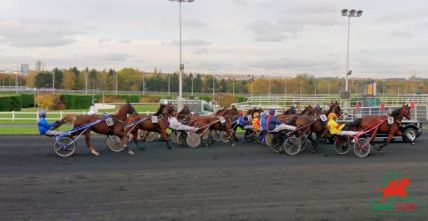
74	101
27	100
10	103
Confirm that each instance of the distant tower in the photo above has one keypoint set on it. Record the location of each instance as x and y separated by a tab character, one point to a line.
25	68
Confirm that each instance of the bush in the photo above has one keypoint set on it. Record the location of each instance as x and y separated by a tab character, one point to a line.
150	99
27	100
73	101
225	100
47	101
10	103
112	99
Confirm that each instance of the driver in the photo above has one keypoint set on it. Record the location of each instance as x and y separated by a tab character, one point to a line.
336	129
177	125
45	128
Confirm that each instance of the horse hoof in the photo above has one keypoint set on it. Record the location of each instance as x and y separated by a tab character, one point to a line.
130	152
95	153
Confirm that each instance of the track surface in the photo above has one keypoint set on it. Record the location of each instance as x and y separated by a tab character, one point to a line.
247	182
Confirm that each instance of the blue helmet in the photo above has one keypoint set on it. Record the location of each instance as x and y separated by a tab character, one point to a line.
42	114
271	111
262	114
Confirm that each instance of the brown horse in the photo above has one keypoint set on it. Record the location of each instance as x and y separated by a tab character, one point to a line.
118	128
214	124
390	129
310	124
145	123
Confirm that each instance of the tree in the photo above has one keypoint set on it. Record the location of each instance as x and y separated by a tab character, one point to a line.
43	80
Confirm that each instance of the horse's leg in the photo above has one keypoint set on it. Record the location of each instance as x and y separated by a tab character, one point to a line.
119	131
230	134
164	135
87	135
391	133
135	139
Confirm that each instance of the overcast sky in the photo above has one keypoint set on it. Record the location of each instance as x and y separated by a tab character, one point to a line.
219	36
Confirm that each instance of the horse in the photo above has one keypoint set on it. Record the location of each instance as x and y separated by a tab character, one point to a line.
390	129
118	128
185	114
145	123
214	124
311	123
309	111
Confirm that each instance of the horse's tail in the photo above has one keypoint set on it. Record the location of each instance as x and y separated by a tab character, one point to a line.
354	124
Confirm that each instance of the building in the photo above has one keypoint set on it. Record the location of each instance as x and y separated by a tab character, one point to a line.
25	68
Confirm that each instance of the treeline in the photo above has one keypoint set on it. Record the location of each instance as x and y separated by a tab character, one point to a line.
129	79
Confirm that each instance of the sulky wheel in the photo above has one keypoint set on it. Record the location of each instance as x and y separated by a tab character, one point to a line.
362	147
304	141
174	137
249	136
114	144
292	145
152	136
182	138
215	134
193	140
268	138
64	146
342	145
206	138
224	137
276	144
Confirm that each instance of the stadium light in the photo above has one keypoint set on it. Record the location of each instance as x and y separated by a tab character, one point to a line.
180	76
349	13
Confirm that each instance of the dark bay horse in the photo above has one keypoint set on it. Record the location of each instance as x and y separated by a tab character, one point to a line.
118	128
390	129
311	123
145	123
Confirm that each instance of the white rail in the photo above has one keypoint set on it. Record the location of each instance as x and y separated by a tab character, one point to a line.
34	116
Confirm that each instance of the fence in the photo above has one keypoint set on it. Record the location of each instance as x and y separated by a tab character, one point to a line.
34	116
324	100
419	113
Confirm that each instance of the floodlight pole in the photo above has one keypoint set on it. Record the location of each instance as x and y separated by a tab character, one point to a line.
180	75
347	54
349	13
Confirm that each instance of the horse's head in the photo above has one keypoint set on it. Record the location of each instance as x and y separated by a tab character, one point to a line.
403	112
130	109
335	108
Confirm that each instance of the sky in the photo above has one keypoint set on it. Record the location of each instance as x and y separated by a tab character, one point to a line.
270	37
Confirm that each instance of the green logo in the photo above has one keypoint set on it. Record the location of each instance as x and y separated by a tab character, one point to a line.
395	198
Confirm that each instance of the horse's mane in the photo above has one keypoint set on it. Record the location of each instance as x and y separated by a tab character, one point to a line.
396	113
221	110
159	112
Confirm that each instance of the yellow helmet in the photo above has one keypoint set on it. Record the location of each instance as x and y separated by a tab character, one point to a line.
332	116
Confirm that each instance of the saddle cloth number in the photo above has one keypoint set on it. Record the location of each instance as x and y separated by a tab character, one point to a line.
249	118
155	119
109	121
222	120
390	120
323	117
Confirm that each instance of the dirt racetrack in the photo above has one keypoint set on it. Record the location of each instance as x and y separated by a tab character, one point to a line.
246	182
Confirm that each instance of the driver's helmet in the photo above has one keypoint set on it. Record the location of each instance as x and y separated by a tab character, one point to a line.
318	107
256	114
332	116
42	114
272	111
262	114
